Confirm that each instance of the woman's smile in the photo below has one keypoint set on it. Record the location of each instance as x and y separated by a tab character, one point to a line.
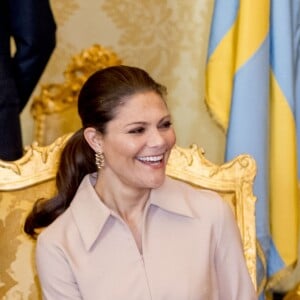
155	161
138	142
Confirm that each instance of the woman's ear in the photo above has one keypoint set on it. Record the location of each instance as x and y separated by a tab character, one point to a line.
93	138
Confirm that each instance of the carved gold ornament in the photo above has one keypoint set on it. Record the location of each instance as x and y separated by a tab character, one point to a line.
55	109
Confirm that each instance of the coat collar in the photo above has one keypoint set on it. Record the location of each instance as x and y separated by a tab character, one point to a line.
90	214
172	196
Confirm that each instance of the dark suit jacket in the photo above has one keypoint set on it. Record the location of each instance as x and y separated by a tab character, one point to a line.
30	23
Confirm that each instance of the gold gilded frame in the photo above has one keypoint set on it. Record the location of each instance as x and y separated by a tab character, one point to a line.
294	294
232	180
22	182
38	164
55	109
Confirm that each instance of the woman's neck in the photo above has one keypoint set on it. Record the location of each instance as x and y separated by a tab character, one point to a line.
128	203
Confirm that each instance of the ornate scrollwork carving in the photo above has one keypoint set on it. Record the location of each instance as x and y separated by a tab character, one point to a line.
36	165
233	180
58	97
54	97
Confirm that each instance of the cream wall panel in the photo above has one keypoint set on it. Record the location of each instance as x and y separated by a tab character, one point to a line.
166	37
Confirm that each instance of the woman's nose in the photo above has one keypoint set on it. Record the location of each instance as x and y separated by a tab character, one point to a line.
155	138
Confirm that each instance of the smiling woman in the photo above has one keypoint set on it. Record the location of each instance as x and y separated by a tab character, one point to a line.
136	146
119	228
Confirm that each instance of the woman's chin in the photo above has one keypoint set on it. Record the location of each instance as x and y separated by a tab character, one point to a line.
157	182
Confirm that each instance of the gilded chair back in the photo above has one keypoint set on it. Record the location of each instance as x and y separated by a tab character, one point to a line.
232	180
23	181
294	294
55	109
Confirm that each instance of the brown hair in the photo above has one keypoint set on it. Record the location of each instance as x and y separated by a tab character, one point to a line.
99	99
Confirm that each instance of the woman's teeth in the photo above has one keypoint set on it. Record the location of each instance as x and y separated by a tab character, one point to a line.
151	158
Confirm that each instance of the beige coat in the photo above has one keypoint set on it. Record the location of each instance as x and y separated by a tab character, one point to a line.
191	250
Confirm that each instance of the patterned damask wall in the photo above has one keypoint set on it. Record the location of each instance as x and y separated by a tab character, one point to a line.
168	38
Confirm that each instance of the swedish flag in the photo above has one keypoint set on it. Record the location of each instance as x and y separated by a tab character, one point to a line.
251	92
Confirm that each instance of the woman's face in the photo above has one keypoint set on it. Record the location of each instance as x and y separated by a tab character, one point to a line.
137	142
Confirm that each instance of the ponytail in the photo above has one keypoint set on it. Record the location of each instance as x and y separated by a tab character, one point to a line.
103	93
77	160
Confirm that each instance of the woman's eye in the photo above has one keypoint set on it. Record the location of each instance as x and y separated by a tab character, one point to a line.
166	124
137	130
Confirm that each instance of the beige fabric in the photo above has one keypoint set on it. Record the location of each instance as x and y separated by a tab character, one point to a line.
190	244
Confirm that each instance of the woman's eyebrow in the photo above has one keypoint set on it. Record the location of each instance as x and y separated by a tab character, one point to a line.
136	123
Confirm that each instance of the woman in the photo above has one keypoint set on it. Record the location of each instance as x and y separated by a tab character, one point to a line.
118	227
